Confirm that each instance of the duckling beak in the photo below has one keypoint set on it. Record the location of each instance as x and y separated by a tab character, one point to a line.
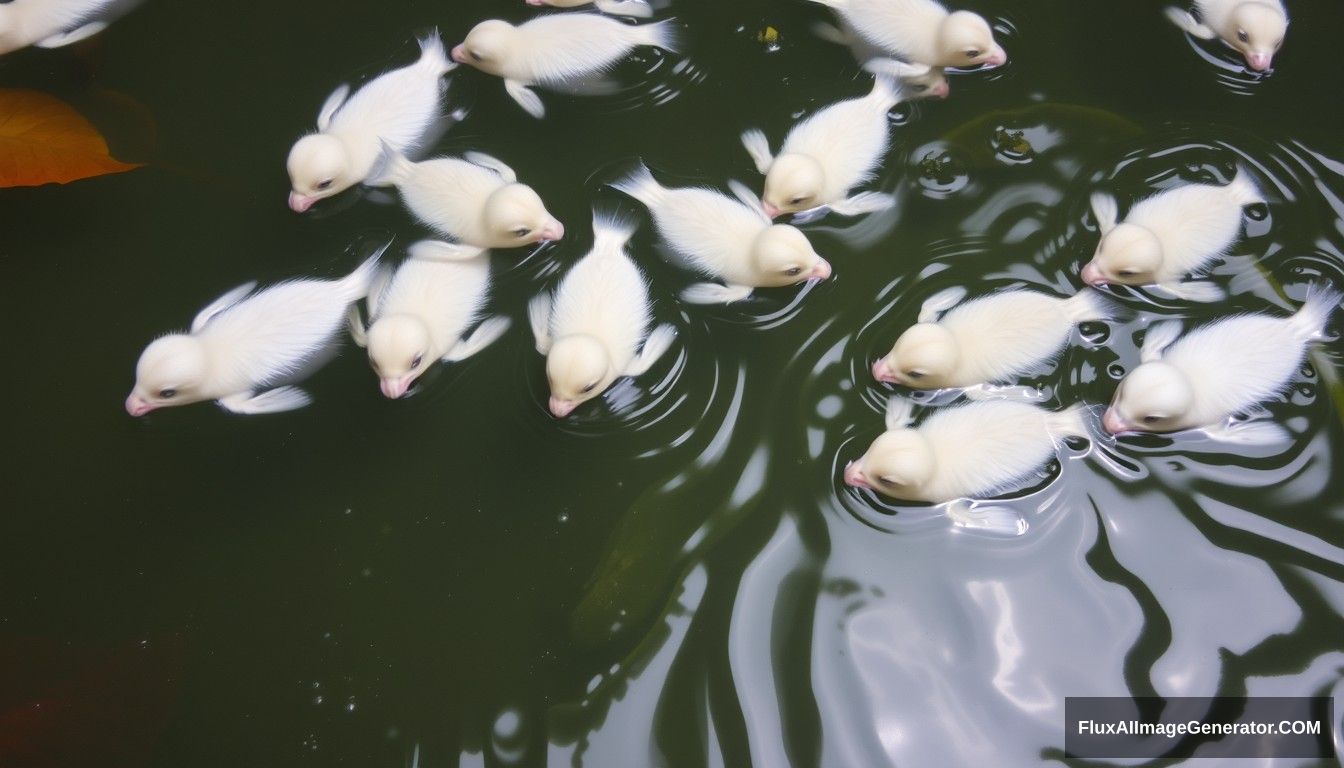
553	231
1092	274
1259	61
883	373
997	58
395	387
941	90
820	271
137	407
300	203
1114	423
561	408
854	476
460	53
770	209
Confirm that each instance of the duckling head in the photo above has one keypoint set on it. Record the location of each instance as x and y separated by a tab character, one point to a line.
1257	34
515	216
782	255
171	371
488	46
319	167
578	369
1155	397
897	464
399	352
1128	254
922	358
793	184
966	40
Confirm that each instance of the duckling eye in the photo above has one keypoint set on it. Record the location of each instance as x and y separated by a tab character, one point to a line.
915	374
887	481
325	184
475	56
797	200
793	271
417	361
973	52
1127	272
919	88
168	393
522	232
1242	36
1151	419
589	388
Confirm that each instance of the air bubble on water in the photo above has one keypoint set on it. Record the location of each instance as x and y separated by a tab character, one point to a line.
563	517
350	704
317	700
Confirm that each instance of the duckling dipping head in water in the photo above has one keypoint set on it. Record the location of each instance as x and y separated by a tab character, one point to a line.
396	109
594	328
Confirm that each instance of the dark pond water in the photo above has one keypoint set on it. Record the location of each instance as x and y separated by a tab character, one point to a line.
675	576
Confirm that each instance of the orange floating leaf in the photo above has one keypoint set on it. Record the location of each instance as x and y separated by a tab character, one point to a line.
44	141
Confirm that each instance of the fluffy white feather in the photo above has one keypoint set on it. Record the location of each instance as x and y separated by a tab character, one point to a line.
922	31
1254	28
236	351
1169	235
973	450
49	23
828	153
725	238
477	201
423	313
1218	370
591	329
556	49
991	339
398	109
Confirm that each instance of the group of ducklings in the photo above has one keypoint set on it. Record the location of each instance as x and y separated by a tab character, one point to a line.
594	327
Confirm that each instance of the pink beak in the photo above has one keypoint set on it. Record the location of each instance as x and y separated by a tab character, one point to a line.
1092	275
1114	423
553	231
770	209
300	203
561	408
941	90
998	57
137	407
854	476
536	2
820	271
460	54
395	389
1260	61
883	373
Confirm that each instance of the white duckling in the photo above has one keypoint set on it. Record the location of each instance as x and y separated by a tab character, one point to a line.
592	327
1170	235
243	343
1218	370
730	240
476	199
827	154
50	23
421	314
973	450
922	32
399	109
918	81
635	9
554	50
990	339
1255	28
